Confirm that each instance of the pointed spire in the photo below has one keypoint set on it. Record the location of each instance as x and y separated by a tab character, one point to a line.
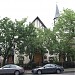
57	12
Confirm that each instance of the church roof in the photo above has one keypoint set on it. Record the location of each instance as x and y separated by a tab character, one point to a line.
37	18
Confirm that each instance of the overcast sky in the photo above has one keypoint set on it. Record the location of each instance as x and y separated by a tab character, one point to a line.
44	9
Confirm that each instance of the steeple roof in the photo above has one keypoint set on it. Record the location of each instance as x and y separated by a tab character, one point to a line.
56	12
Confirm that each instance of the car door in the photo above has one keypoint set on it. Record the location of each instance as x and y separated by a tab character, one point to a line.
1	70
46	68
5	69
12	69
52	68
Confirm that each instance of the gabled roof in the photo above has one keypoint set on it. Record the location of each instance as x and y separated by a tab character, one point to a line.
37	18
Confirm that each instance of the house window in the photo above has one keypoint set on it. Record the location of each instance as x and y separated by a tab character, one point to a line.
21	59
51	59
45	57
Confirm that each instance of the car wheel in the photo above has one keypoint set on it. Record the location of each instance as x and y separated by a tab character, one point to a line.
58	71
39	71
16	73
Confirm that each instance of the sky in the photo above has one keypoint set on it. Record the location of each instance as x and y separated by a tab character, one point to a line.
30	9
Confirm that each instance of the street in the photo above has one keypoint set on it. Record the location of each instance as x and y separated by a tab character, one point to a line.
70	73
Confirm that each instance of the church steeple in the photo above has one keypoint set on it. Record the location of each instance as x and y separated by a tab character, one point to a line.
56	13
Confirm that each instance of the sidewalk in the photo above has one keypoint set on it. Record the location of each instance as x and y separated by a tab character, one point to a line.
65	70
69	70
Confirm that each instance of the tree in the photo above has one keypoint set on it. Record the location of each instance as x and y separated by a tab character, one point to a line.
26	42
65	31
50	41
8	31
32	41
6	37
18	36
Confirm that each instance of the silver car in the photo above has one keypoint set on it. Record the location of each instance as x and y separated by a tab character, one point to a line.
11	69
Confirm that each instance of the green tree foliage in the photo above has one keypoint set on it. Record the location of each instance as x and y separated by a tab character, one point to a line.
65	31
8	31
33	41
6	36
26	42
50	41
20	37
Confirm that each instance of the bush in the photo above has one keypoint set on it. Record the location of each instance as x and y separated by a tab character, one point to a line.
44	63
30	65
27	66
66	64
69	64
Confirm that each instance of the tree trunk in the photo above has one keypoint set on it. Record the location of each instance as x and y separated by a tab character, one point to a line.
6	54
68	57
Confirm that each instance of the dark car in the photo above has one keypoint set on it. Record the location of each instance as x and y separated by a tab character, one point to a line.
11	69
48	68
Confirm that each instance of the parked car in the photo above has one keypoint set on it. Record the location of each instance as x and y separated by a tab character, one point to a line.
48	68
11	69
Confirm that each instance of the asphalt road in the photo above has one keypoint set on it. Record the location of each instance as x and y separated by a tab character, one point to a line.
70	73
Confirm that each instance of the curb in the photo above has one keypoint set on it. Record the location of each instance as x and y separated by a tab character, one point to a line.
68	71
29	72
